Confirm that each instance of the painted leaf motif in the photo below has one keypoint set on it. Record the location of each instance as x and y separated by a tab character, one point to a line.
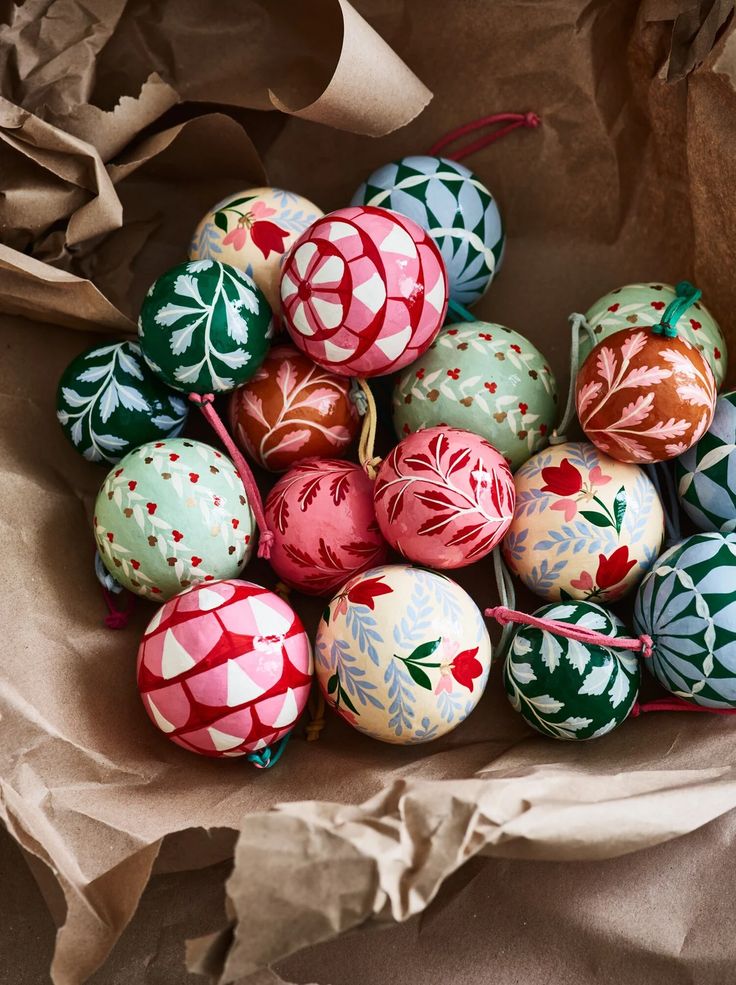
596	680
545	704
619	690
597	519
523	672
551	650
425	649
619	508
419	676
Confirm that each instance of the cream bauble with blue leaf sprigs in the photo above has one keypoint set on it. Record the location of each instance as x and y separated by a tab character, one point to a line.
455	208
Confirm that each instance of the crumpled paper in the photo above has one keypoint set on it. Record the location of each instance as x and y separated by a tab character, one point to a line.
629	178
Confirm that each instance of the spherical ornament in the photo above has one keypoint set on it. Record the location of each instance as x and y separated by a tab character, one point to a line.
293	409
585	525
224	669
204	327
642	305
686	604
364	291
253	230
324	525
171	514
402	654
109	401
567	689
454	206
486	379
641	397
706	473
444	497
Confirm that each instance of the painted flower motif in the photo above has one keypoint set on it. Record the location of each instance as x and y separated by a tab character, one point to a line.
563	479
267	236
466	667
365	592
613	569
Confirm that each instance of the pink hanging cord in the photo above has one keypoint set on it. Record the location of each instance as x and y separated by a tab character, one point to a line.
503	615
513	121
205	402
676	704
116	618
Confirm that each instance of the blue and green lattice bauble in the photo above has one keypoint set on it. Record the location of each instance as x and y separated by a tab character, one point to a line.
455	208
205	327
706	473
687	604
566	689
109	402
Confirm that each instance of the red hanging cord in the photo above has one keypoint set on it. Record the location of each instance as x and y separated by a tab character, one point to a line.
116	618
571	631
205	402
513	120
676	704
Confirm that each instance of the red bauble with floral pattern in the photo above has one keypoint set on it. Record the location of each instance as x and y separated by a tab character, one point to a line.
643	397
224	669
324	525
444	497
364	291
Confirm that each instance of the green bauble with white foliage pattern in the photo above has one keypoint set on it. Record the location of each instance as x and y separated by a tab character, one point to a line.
204	327
566	689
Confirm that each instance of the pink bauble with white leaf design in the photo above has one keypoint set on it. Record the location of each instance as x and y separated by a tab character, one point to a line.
324	525
643	397
225	668
444	497
364	291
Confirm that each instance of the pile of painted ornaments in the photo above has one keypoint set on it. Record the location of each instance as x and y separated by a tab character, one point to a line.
402	652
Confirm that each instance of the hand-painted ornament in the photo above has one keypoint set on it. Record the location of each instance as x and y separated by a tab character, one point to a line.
253	230
642	306
204	327
455	208
706	473
483	378
324	525
643	397
109	402
172	514
585	525
568	689
402	654
293	409
225	669
363	291
686	604
444	497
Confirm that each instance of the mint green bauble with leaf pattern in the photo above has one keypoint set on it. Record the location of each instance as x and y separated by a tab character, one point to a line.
643	305
204	327
483	378
687	604
567	689
109	401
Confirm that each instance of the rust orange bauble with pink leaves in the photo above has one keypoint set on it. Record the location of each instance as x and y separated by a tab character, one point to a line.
643	397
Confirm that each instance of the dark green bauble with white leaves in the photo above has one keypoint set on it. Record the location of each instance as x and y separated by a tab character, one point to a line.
566	689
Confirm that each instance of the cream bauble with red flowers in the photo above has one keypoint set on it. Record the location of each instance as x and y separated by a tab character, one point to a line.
585	526
402	654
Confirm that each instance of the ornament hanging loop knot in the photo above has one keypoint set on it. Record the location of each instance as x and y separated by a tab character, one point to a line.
503	615
686	296
368	460
513	121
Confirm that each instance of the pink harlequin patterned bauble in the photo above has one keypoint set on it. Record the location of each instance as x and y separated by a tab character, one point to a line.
444	497
324	524
224	669
364	291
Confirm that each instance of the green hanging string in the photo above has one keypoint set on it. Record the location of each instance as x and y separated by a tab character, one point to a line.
460	311
686	296
266	757
578	322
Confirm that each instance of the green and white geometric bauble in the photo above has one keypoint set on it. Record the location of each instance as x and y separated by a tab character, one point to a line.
109	402
687	604
455	208
706	473
567	689
204	327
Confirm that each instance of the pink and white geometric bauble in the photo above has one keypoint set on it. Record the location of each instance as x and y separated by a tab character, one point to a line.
444	497
323	520
364	291
224	669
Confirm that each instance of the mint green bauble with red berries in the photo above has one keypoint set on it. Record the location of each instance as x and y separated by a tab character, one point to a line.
566	689
204	327
483	378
